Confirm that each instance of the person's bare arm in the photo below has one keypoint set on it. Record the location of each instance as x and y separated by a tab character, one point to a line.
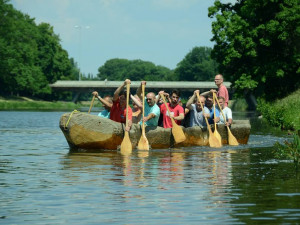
102	100
136	101
192	100
180	117
119	89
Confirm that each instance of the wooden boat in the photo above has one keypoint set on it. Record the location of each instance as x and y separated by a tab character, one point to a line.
86	131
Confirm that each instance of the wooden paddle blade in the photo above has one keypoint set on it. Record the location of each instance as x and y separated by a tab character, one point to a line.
126	146
213	141
218	136
231	139
143	143
177	132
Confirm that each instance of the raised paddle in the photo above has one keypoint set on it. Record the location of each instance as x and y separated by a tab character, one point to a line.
143	143
231	139
126	146
212	140
216	133
176	129
92	103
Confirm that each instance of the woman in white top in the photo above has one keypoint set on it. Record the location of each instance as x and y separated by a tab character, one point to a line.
226	111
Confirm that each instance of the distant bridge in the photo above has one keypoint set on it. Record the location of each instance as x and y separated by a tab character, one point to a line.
155	86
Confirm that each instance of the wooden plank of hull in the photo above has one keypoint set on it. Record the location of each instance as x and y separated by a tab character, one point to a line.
93	132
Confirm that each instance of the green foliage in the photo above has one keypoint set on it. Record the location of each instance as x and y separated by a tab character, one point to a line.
289	150
31	56
282	113
197	66
36	105
120	69
257	45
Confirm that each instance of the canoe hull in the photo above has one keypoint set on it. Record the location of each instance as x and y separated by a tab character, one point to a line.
85	131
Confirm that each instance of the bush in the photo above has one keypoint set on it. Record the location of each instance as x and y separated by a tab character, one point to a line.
282	113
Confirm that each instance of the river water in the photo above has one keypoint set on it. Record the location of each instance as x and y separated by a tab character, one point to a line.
41	182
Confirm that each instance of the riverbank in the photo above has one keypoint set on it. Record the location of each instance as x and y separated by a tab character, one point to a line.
283	113
24	103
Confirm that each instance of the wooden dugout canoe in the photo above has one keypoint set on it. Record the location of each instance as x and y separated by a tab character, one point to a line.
85	131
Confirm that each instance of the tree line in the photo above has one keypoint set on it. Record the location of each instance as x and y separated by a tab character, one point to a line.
256	48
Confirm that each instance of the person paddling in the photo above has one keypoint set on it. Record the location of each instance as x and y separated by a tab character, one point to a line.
118	110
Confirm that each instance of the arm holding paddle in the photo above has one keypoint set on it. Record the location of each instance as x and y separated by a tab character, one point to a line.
119	89
180	117
139	90
102	100
191	100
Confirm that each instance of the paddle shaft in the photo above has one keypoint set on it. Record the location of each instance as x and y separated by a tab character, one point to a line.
126	146
231	139
163	97
220	107
208	127
127	102
92	103
214	111
143	123
177	131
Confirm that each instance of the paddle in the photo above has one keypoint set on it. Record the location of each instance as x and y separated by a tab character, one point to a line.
216	133
176	129
212	140
143	143
231	139
92	103
126	146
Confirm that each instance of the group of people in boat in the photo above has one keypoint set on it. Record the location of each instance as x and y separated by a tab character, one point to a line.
156	112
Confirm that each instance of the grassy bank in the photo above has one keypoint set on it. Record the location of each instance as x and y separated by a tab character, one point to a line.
23	103
284	113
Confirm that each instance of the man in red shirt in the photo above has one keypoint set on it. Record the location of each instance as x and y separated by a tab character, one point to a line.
176	111
118	109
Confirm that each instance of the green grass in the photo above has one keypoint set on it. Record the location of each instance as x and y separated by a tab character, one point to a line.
289	150
238	104
23	103
284	113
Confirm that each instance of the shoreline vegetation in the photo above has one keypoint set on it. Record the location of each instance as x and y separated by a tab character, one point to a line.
25	103
283	113
278	113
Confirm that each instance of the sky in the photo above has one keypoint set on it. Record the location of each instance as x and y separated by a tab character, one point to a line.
94	31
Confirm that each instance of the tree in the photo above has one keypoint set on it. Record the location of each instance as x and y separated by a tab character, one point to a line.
197	66
257	45
120	69
31	56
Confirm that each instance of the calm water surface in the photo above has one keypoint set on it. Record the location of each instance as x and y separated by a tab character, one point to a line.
41	182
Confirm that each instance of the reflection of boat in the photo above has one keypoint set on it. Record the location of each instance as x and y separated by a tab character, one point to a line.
87	131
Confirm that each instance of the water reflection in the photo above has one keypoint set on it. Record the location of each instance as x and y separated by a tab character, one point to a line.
42	181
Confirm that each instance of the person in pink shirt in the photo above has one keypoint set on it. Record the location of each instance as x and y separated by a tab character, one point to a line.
176	111
222	90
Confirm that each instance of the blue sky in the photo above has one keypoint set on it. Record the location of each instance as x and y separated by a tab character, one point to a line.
94	31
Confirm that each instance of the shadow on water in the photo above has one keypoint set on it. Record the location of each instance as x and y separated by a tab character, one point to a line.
235	184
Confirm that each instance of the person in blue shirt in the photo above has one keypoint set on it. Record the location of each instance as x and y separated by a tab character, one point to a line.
210	105
106	103
152	111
